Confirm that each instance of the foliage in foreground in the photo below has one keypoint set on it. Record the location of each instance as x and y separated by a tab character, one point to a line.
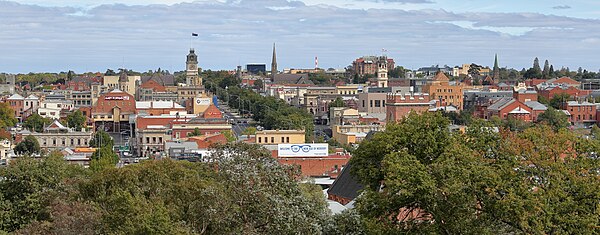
421	178
242	189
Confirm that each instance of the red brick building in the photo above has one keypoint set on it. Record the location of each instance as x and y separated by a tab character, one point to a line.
509	107
368	64
574	92
526	95
582	112
318	166
399	105
113	109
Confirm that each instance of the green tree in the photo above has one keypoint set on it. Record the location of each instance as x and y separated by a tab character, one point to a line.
258	84
103	158
29	186
36	123
101	139
229	136
338	102
76	120
559	99
554	118
196	132
249	131
28	146
7	116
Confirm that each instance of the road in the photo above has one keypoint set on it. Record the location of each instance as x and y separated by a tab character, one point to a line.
239	124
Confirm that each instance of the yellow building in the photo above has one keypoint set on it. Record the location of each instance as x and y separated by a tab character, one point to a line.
280	137
354	133
122	82
349	89
446	93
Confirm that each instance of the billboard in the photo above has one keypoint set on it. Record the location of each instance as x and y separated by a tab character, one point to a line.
202	101
303	150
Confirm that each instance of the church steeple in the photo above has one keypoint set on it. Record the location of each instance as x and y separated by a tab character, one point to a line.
273	64
496	74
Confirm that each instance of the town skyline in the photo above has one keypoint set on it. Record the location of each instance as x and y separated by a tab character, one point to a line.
60	36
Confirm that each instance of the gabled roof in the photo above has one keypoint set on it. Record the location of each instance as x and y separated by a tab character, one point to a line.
32	97
16	97
501	103
292	79
534	105
162	79
212	112
564	80
346	185
519	110
441	76
56	125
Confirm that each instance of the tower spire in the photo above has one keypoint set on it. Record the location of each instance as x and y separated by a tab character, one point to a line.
496	70
273	64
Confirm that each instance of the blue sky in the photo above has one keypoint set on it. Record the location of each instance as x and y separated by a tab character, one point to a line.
49	35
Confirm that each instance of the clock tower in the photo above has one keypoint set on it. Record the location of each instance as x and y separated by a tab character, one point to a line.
192	78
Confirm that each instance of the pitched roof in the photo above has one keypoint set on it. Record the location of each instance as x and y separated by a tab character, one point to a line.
16	97
564	80
346	185
536	105
154	85
162	79
292	79
501	103
441	76
212	112
519	110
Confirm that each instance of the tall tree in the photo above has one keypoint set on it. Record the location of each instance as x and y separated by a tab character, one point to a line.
76	120
28	146
536	65
36	123
546	71
554	118
101	139
551	71
7	116
338	102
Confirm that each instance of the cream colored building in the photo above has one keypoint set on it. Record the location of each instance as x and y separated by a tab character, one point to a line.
57	137
122	82
280	137
349	89
355	133
5	149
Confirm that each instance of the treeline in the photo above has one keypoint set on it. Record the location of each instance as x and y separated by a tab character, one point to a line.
240	189
271	112
422	178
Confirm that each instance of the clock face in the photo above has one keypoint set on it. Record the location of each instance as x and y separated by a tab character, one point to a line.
192	67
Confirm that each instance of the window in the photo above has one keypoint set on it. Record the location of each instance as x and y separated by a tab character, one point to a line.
272	139
377	103
363	103
282	139
259	139
287	139
371	103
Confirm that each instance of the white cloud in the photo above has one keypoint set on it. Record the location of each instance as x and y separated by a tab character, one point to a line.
34	38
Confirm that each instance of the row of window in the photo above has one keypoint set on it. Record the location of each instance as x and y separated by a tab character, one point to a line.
589	108
80	142
374	103
266	139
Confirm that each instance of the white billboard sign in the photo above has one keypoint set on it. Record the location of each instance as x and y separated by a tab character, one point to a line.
303	150
203	101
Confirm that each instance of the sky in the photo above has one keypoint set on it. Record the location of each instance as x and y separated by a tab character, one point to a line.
94	35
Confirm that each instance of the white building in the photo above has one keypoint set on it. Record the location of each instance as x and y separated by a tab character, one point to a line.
52	108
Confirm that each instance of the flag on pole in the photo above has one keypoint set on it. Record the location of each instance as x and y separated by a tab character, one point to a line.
194	35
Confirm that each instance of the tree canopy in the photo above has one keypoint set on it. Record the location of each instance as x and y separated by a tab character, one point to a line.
7	116
76	120
28	146
421	178
36	123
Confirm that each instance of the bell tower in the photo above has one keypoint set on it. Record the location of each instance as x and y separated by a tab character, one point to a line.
382	79
191	76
